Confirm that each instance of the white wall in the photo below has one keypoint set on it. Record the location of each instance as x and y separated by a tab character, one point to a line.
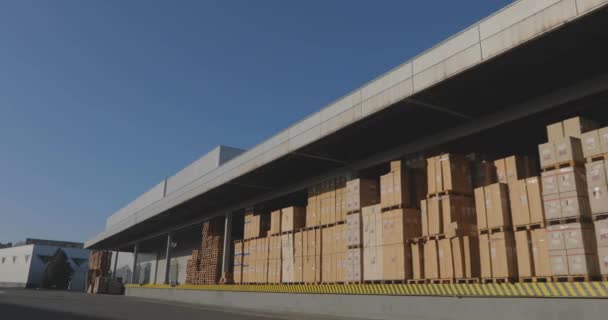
15	265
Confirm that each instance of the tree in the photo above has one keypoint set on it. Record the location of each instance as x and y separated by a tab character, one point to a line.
58	272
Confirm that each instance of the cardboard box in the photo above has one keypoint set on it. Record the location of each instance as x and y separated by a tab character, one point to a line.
603	260
603	133
361	193
354	265
553	207
497	205
559	262
275	222
379	228
340	244
511	169
446	260
484	173
396	263
547	154
535	200
465	252
287	270
298	244
555	131
550	182
520	207
369	226
402	195
501	170
485	256
431	260
540	253
569	149
353	225
434	213
387	194
598	199
503	256
601	232
400	225
287	246
417	249
525	259
596	174
456	173
424	217
327	243
434	177
572	179
582	262
372	263
575	127
480	208
591	143
579	236
292	218
574	205
458	216
555	237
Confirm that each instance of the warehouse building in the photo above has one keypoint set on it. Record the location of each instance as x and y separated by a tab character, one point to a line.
491	89
23	265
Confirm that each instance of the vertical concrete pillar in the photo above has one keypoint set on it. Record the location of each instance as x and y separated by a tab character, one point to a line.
115	264
168	256
226	253
134	267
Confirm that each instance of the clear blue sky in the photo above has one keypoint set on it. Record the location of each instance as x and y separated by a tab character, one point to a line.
101	100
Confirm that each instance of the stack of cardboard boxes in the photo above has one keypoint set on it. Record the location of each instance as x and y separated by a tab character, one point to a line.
371	217
326	203
274	259
256	225
204	266
570	236
237	262
287	258
312	256
333	254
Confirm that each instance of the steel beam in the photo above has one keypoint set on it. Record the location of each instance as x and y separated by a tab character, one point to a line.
227	241
134	266
168	256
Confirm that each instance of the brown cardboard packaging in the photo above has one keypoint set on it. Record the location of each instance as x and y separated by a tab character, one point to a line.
456	173
555	131
327	243
287	246
591	143
550	182
396	262
434	180
368	218
484	256
547	154
480	208
298	266
520	207
353	225
340	245
354	265
559	262
446	261
575	127
361	193
402	194
601	232
579	236
434	213
603	133
572	179
574	205
484	173
458	216
517	168
535	200
465	252
553	207
525	260
598	199
503	256
424	217
431	260
497	205
596	174
417	249
555	237
387	194
540	253
582	262
379	228
569	149
603	259
287	270
372	263
326	268
501	170
400	225
292	218
275	222
308	269
298	243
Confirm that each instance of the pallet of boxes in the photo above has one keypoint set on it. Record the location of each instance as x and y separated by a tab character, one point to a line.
570	231
205	265
448	251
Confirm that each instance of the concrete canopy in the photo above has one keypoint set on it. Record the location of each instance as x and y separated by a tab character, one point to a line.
531	63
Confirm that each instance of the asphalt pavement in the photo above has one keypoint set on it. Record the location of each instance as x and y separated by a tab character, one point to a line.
26	304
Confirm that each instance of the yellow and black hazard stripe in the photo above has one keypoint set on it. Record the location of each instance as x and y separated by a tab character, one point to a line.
546	290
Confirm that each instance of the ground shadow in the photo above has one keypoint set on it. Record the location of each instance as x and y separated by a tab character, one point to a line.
18	312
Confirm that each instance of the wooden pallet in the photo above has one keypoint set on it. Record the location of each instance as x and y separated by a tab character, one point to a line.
417	281
494	230
497	280
535	279
441	281
435	237
596	158
356	246
599	216
416	240
532	226
353	212
394	207
448	193
574	278
561	165
605	278
468	280
552	222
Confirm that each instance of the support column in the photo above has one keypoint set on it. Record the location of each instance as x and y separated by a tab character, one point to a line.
115	264
226	253
168	256
134	267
